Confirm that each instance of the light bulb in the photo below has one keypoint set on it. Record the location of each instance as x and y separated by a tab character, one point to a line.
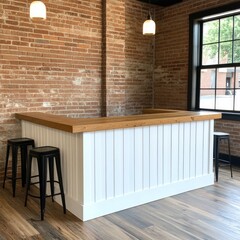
38	10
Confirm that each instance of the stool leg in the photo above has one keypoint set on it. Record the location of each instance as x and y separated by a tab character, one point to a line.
28	179
216	157
229	157
42	167
23	164
14	168
58	165
6	164
51	176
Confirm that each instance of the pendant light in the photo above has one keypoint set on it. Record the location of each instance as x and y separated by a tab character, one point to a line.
149	26
38	10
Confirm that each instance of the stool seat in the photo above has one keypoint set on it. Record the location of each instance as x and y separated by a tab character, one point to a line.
44	155
21	141
15	144
44	151
219	136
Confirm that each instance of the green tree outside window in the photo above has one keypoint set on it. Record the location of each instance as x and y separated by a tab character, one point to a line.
221	41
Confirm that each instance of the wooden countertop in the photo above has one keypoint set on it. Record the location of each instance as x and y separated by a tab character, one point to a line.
152	117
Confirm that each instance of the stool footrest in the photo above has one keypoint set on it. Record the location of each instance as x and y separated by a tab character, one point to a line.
224	161
48	181
55	194
10	178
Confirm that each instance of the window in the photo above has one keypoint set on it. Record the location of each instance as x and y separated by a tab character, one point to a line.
220	58
214	60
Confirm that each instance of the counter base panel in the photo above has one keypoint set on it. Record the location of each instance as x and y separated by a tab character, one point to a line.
138	198
112	170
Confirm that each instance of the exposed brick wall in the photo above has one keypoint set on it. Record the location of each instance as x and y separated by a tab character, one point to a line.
51	65
171	68
115	57
78	62
139	52
128	58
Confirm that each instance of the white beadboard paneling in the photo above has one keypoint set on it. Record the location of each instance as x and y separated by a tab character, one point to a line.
153	138
78	158
129	160
100	166
160	155
70	153
210	148
199	149
175	153
118	160
181	151
146	158
186	150
89	168
145	196
109	165
194	149
167	147
138	148
107	171
206	143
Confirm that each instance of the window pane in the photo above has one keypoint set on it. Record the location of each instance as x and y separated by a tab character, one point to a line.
219	86
224	101
225	79
236	52
210	54
207	78
210	31
207	99
237	99
237	90
226	29
237	27
237	80
226	52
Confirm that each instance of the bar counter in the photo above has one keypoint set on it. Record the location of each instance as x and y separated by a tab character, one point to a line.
150	117
114	163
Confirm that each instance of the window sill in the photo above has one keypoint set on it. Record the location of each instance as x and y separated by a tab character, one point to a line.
232	116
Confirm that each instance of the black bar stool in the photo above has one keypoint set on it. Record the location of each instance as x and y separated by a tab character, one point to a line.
15	144
219	136
44	154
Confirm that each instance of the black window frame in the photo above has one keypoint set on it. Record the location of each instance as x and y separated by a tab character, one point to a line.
195	25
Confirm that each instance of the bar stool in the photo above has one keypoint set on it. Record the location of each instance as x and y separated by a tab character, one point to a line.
15	144
219	136
43	155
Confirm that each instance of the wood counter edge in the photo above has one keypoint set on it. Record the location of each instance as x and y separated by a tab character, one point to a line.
56	122
77	125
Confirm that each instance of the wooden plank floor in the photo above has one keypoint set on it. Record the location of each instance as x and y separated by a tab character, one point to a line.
211	213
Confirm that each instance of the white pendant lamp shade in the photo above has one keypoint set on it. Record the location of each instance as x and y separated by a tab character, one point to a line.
38	10
149	26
